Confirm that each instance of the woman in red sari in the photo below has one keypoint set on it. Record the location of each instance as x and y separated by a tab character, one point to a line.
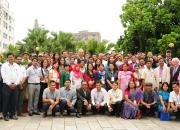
89	76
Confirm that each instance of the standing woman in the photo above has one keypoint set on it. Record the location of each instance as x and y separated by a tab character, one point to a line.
43	80
132	100
137	77
124	77
76	77
55	74
56	57
97	63
62	63
111	76
89	76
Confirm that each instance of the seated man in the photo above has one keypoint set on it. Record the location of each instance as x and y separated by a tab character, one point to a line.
174	99
115	99
148	104
67	98
98	99
83	99
51	99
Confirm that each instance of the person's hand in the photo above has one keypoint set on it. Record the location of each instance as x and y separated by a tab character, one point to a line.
148	106
164	109
175	109
112	102
97	106
135	105
85	102
110	109
69	104
51	101
89	107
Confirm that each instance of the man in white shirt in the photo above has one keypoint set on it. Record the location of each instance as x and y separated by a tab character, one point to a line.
148	75
162	73
22	80
33	74
174	99
10	72
98	99
115	99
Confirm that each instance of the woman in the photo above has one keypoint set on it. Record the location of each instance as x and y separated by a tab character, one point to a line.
163	104
137	76
112	61
132	100
111	76
97	63
55	74
89	76
62	63
76	77
65	75
44	80
56	57
124	77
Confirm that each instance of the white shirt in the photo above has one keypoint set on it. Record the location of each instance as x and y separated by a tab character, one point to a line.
22	72
33	74
10	73
173	97
99	97
114	95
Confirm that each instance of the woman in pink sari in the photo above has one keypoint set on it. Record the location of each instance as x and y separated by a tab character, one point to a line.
124	77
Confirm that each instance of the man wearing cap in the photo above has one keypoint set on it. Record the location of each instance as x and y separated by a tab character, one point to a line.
148	100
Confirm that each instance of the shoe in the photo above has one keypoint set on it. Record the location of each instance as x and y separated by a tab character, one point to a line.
78	115
14	117
6	118
30	114
36	113
21	115
45	114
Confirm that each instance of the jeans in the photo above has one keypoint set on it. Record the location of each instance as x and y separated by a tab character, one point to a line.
20	99
46	106
63	105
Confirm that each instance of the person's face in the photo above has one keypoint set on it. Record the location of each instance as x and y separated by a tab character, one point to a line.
101	68
149	54
161	62
175	88
114	86
45	63
149	64
125	68
98	61
111	59
11	58
131	84
141	62
66	68
56	56
84	85
77	68
18	60
111	67
67	84
52	86
81	53
136	69
91	60
175	63
65	54
87	56
90	67
148	88
35	62
133	59
55	66
94	57
72	60
126	59
62	61
98	86
165	87
168	54
82	64
25	56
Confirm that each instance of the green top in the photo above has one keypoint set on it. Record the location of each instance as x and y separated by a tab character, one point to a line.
64	76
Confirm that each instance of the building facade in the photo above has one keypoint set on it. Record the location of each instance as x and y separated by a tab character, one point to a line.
6	25
85	35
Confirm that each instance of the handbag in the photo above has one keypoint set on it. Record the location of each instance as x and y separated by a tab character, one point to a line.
164	116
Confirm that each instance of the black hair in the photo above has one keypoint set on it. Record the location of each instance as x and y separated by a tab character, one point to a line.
164	84
67	80
9	54
129	84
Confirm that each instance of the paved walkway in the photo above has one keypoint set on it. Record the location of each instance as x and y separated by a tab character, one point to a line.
96	122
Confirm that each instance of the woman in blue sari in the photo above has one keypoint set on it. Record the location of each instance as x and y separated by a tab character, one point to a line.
163	104
132	100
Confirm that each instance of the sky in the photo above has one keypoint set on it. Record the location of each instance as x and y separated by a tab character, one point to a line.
69	16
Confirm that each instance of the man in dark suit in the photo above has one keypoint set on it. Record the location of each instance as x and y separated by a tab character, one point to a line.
174	71
83	99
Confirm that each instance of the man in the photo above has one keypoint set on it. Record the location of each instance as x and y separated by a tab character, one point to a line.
1	85
141	66
68	98
174	71
168	56
83	99
51	99
174	99
162	73
98	99
33	75
20	87
10	72
125	61
148	75
26	61
115	99
149	98
80	56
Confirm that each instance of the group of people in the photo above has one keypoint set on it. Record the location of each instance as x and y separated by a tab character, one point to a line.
128	86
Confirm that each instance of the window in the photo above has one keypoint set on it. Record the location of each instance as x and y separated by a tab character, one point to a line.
5	25
4	46
5	35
